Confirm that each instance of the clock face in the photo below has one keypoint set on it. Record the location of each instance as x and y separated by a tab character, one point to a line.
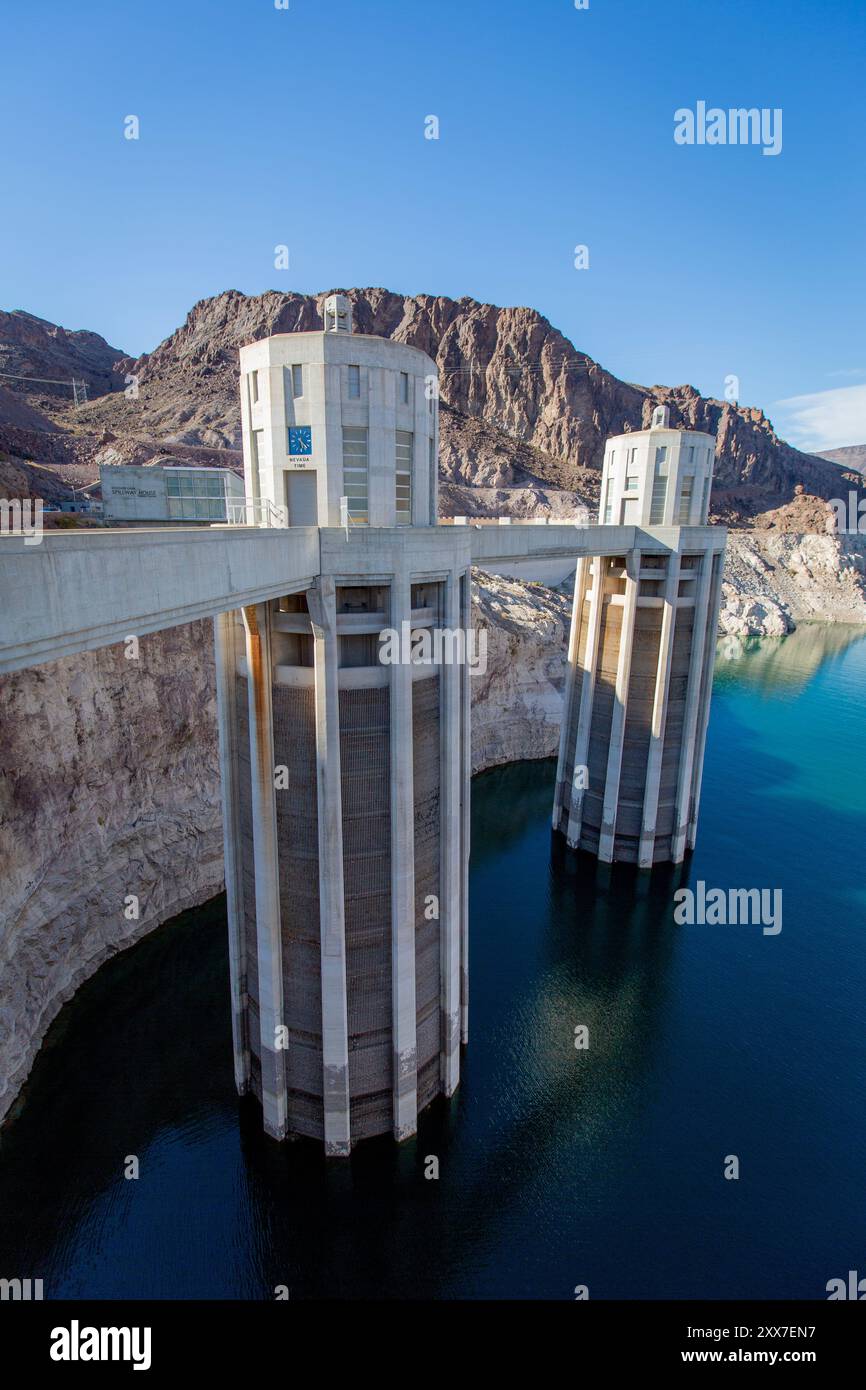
300	439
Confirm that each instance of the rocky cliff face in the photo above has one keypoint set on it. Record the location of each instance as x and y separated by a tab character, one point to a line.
851	457
38	359
793	565
774	579
109	786
517	701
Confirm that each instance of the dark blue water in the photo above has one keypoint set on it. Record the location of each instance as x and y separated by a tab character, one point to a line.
557	1167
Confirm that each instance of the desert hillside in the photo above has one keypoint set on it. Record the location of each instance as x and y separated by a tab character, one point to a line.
525	415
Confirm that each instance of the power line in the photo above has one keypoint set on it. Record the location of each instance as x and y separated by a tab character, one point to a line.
78	385
45	380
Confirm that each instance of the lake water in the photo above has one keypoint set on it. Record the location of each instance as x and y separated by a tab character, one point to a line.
558	1167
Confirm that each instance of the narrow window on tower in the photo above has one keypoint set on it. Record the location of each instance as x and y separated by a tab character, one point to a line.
404	388
354	383
355	472
297	380
608	502
403	477
254	387
659	497
258	462
705	504
685	500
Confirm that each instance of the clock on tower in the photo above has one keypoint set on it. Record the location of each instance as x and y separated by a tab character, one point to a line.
300	439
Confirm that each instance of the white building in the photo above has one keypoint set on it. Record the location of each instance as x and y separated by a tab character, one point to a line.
336	414
657	477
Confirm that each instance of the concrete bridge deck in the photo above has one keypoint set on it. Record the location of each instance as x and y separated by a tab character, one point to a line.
76	591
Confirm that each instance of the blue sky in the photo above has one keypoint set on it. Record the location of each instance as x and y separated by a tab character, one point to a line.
305	127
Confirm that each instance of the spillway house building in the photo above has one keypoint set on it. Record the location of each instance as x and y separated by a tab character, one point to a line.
346	781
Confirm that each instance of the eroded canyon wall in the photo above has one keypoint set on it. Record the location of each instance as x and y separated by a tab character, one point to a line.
109	787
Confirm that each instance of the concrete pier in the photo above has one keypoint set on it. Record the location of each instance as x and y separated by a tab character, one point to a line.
703	697
263	814
225	626
610	800
465	772
403	907
451	877
322	606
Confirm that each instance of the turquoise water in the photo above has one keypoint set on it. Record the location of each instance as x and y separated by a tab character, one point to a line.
557	1167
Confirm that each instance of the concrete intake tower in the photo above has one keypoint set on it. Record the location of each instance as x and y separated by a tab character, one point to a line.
640	659
346	781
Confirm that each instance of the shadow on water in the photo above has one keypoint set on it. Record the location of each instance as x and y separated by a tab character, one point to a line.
556	1165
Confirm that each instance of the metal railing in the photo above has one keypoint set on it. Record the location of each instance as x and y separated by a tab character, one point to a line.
261	513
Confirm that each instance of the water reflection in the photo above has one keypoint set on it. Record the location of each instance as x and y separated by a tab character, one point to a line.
571	943
782	663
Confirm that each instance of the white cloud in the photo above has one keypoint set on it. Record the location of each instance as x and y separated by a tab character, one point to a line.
823	420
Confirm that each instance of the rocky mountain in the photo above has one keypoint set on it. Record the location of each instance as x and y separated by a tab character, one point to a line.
523	409
16	410
852	457
38	361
